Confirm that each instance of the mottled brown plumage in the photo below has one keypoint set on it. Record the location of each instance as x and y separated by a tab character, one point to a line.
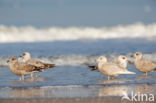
27	59
143	65
21	69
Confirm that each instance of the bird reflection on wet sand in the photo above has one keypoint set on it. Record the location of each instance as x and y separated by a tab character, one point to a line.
113	91
78	91
115	80
29	80
120	90
144	77
31	92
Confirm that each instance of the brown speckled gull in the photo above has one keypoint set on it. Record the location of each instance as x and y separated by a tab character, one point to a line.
21	69
143	65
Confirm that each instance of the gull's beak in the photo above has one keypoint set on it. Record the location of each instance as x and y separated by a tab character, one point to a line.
129	62
132	56
7	61
20	56
96	60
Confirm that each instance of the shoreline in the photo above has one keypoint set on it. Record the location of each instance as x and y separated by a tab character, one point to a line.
112	99
90	91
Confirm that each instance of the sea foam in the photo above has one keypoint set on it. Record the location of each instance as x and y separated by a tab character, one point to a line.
80	60
32	34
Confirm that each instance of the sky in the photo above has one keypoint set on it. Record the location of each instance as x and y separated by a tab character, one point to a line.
65	13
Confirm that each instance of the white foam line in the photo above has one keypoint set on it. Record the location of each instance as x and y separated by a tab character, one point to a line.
80	60
32	34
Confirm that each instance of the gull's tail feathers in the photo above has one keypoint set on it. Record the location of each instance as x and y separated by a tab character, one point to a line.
92	68
49	65
126	72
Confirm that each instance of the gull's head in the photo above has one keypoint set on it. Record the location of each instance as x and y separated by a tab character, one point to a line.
12	59
138	55
122	58
102	59
26	55
122	61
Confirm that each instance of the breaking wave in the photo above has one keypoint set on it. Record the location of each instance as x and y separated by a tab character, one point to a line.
79	60
32	34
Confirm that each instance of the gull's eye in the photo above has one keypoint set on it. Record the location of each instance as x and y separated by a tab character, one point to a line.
23	54
137	54
123	58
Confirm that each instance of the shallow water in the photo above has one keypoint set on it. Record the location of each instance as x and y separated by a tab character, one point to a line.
66	76
72	59
78	52
76	91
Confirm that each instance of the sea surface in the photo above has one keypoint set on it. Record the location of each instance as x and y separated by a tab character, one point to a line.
71	77
72	34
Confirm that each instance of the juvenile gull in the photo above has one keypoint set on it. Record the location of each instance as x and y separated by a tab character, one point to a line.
21	69
143	65
27	59
111	69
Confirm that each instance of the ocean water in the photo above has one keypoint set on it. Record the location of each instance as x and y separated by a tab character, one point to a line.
73	34
72	59
72	56
54	33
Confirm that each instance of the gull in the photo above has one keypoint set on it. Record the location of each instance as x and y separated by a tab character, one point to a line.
111	69
21	69
142	65
27	59
120	61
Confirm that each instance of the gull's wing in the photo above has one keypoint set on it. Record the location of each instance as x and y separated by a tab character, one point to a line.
27	67
40	64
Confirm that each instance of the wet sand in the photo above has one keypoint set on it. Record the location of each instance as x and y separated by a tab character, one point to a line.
70	100
75	93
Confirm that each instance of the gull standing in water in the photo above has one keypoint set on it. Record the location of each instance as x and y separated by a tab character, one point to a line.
120	61
143	65
22	69
27	59
111	69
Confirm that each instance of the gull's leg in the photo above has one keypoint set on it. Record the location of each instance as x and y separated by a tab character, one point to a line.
22	77
36	74
31	75
113	77
108	78
146	74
